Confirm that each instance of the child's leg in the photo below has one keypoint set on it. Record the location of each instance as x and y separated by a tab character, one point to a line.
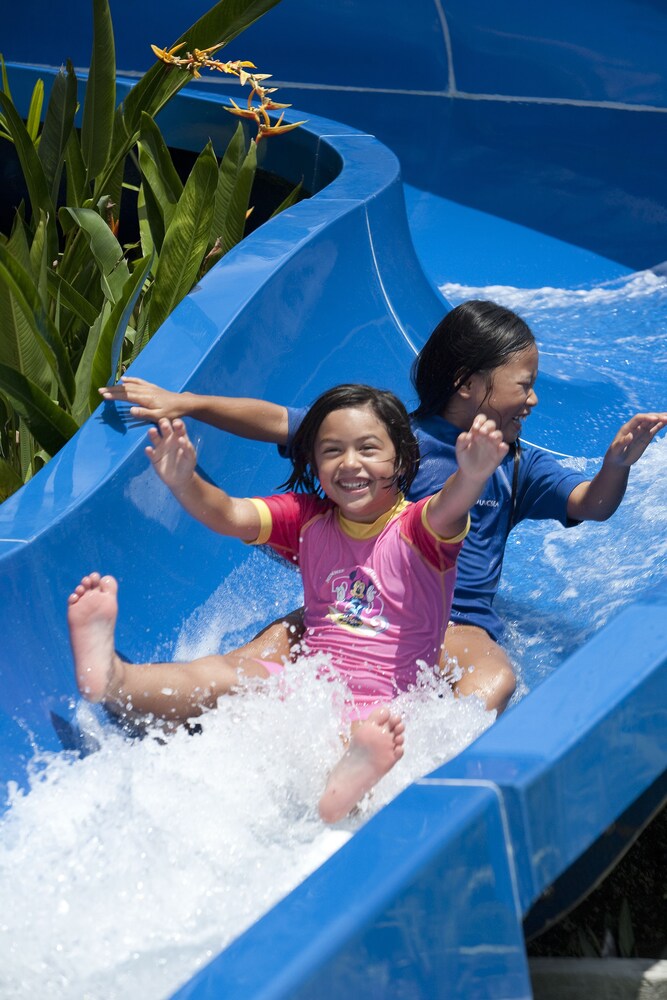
375	746
279	641
171	691
487	671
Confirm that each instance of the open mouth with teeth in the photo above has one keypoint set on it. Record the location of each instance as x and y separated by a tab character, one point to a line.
352	485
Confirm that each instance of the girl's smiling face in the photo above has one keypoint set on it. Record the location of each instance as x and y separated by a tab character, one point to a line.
511	396
355	460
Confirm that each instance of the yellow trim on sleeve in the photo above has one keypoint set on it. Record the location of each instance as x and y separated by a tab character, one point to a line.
449	541
265	521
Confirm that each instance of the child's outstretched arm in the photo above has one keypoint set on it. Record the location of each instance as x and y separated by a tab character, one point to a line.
249	418
597	499
173	457
479	452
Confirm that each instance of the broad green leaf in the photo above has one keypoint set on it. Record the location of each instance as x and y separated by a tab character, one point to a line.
111	183
78	190
292	199
238	203
39	459
107	355
85	282
100	100
142	334
157	168
33	172
35	111
153	215
81	408
145	229
49	425
5	78
230	165
19	347
20	284
39	262
70	298
26	448
58	122
186	239
10	481
18	242
106	249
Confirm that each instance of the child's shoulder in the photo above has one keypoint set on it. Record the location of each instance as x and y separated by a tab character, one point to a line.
306	504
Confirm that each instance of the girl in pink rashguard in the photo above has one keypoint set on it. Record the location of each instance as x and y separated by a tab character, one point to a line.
382	611
378	573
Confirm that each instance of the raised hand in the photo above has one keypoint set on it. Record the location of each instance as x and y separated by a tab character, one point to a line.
633	438
153	401
172	454
480	450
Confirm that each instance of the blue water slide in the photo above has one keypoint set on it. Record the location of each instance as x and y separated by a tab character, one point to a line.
482	144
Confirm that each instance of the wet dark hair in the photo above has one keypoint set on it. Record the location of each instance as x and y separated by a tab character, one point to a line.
388	409
474	338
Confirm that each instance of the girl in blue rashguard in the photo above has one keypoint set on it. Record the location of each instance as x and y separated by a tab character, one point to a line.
480	358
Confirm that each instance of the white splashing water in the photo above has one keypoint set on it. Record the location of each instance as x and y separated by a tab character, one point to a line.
124	872
618	328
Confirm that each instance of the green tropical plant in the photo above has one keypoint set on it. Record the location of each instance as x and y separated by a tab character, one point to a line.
76	306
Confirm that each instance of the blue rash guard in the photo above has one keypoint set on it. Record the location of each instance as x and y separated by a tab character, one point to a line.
543	488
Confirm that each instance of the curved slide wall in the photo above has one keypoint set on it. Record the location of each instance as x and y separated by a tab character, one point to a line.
431	894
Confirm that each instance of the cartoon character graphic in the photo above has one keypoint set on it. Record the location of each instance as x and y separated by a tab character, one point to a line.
357	604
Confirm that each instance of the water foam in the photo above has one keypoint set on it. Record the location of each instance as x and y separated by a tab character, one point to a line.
124	872
617	328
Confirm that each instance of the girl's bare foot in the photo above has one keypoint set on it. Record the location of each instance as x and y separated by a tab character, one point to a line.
91	616
376	745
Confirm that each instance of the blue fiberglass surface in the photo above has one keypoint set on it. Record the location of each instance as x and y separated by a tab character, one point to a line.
537	180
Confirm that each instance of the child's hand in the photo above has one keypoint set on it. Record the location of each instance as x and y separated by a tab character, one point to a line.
480	450
172	454
154	402
634	438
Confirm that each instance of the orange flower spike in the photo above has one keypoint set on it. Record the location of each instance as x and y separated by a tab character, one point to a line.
274	106
221	67
193	65
167	55
278	128
242	112
209	51
200	57
250	97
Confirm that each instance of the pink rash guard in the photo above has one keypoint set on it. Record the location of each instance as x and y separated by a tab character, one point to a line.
377	596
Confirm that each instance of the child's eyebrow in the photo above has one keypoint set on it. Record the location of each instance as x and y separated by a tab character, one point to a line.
365	439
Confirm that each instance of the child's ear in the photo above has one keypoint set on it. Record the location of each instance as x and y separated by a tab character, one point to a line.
472	385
